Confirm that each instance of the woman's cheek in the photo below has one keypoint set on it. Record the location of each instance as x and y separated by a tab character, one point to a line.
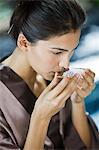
52	60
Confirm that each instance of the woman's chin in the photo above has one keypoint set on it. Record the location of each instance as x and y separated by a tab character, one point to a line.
49	77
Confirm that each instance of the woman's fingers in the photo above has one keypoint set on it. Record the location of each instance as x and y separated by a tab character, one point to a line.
87	84
52	84
59	87
89	79
82	93
66	93
82	84
89	72
75	97
85	92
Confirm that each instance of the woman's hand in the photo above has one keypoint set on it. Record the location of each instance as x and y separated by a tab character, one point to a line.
53	98
84	87
79	118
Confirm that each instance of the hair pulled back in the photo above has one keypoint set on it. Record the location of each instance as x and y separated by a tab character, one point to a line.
42	19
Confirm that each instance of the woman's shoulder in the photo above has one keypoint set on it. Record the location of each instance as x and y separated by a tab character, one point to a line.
7	84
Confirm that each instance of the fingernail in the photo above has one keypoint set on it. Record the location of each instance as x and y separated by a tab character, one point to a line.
76	76
85	74
56	74
60	77
79	87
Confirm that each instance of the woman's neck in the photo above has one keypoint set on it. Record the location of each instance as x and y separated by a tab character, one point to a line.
19	64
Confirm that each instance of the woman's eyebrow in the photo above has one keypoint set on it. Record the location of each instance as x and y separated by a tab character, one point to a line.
61	49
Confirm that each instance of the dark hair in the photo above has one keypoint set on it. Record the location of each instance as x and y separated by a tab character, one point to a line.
41	19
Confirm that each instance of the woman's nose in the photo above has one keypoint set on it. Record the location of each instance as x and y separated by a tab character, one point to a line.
64	63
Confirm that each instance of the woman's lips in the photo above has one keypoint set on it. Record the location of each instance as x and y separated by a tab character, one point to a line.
60	73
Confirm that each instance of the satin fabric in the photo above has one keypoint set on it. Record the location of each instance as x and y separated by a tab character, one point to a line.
16	105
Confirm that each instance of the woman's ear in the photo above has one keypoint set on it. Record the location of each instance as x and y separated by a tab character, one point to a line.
22	42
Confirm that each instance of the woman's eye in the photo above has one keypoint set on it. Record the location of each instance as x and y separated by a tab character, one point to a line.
57	52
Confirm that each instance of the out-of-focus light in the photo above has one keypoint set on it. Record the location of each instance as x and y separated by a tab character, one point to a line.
91	63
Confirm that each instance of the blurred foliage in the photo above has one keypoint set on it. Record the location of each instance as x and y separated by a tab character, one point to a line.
88	4
4	11
95	2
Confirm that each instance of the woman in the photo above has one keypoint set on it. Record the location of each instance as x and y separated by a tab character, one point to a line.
35	113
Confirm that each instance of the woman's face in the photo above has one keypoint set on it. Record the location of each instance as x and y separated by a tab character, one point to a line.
53	55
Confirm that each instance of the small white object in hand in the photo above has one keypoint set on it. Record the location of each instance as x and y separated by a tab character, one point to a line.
72	71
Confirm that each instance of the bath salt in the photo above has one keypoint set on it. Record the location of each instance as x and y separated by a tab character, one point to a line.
72	71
